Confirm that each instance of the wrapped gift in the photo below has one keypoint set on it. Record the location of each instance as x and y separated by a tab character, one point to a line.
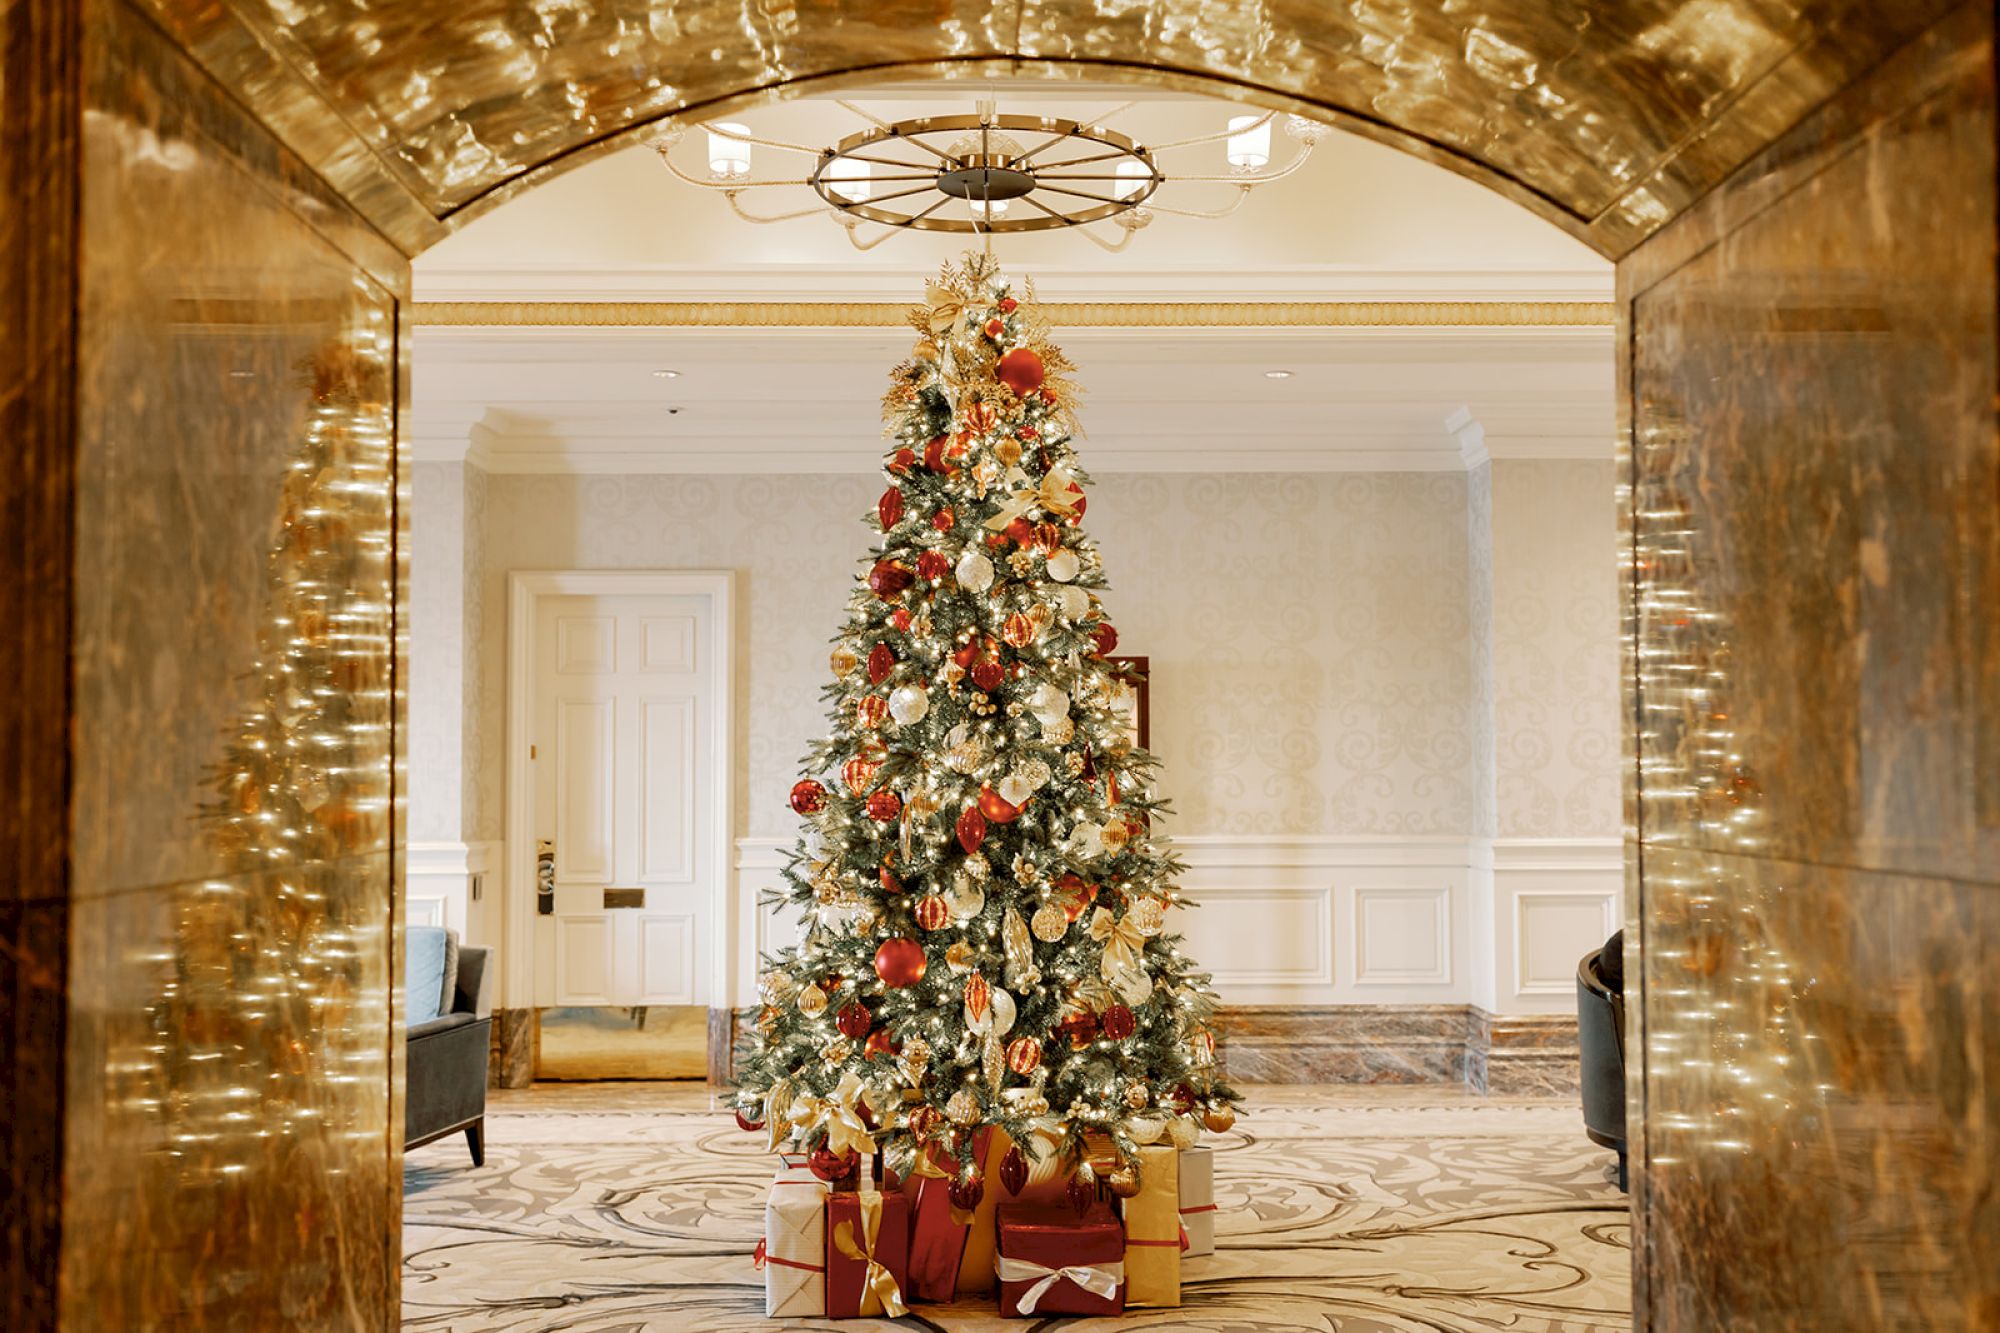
867	1254
938	1228
793	1159
793	1251
1054	1262
1153	1231
1198	1199
975	1264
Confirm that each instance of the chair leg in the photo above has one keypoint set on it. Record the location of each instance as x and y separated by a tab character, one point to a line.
1624	1180
475	1138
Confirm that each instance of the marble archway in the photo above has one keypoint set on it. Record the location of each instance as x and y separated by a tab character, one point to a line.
203	273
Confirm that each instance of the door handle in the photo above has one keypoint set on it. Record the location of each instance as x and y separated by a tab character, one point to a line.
622	898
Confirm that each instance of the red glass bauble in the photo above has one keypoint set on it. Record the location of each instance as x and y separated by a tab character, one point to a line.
1008	305
1024	1054
1081	1195
890	507
1014	1171
1080	1028
967	1190
902	461
932	912
1183	1098
888	579
1018	630
858	773
900	962
934	458
1049	537
994	328
890	884
1078	505
966	653
924	1121
988	676
933	565
854	1020
879	1043
1019	531
996	808
1106	639
1118	1022
833	1167
884	806
808	797
1020	370
943	519
881	661
871	710
901	619
746	1124
971	829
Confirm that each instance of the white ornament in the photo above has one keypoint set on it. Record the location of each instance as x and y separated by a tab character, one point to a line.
1036	772
1086	840
1048	703
1015	788
1063	565
1147	1127
1075	603
908	704
975	572
965	898
815	843
1002	1013
1059	731
1184	1132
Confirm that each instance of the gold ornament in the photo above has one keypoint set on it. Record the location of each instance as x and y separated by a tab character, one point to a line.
812	1001
1124	1182
1008	451
839	1052
1050	923
775	987
976	866
916	1053
1184	1132
1114	837
963	1108
960	957
1219	1119
1136	1096
844	660
1148	914
1023	1055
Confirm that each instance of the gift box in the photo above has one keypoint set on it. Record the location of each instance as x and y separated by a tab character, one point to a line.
793	1251
867	1254
975	1264
1153	1231
1198	1199
1054	1262
939	1229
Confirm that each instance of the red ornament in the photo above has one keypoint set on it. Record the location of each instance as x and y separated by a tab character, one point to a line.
858	773
933	565
1020	370
888	579
943	519
879	1043
833	1167
881	661
890	507
994	328
871	710
1014	1171
971	829
902	461
980	418
1077	896
966	653
997	808
978	995
884	806
746	1124
1008	305
1019	630
1078	505
967	1190
808	797
901	618
1118	1022
1049	537
1020	531
1081	1196
1026	433
1105	637
1024	1054
988	675
854	1020
900	962
1080	1027
1183	1098
932	912
890	884
934	455
924	1121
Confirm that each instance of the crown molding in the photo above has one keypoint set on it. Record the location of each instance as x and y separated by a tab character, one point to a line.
1078	314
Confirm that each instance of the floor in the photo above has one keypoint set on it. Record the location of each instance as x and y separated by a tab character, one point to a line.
617	1208
662	1042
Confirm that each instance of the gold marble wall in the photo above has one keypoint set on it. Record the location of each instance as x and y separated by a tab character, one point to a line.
232	1149
1815	500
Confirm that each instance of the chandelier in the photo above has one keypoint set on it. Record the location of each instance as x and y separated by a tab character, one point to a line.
989	174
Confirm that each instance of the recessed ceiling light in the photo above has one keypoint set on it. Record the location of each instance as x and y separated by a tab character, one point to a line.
666	374
1277	374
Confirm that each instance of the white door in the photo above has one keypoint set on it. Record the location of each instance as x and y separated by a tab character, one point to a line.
625	736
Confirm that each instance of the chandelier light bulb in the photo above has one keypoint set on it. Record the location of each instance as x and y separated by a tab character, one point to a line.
729	150
983	209
1249	149
1132	177
849	178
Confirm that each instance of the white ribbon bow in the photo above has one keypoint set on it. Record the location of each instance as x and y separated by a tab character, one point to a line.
1097	1279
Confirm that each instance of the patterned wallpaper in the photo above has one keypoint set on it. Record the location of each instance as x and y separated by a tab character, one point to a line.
438	650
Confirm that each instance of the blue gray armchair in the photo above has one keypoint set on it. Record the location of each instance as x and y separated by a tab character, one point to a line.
449	1034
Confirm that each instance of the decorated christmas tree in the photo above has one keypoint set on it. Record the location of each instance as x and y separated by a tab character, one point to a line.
984	894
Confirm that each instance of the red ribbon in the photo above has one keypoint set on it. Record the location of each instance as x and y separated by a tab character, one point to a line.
765	1257
1180	1242
1198	1208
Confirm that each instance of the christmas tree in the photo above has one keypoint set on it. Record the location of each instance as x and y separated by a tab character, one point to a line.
984	896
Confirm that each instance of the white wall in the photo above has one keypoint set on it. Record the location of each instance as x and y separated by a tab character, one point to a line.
1333	689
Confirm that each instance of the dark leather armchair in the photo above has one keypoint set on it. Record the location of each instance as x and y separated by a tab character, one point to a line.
445	1068
1600	1038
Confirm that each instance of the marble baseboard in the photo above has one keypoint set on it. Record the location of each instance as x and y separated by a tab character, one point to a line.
1408	1044
513	1062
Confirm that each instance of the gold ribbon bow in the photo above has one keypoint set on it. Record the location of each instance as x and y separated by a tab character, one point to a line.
943	307
844	1129
778	1112
1053	494
879	1292
1123	944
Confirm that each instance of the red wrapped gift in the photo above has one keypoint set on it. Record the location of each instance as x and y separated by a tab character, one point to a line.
1054	1262
867	1254
937	1228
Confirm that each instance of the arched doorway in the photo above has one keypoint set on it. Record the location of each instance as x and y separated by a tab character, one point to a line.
209	266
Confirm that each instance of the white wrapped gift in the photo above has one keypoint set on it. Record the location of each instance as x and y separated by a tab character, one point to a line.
1198	1200
793	1251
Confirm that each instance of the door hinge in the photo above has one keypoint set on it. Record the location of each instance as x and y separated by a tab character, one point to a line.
531	752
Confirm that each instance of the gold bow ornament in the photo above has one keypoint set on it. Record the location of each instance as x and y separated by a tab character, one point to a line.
1123	945
844	1130
1053	494
879	1293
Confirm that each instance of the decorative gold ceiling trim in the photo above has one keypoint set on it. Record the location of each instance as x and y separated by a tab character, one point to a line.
1066	314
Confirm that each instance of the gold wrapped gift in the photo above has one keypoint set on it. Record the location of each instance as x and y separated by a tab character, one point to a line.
1153	1231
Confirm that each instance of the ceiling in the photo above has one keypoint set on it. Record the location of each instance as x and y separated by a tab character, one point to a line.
1174	335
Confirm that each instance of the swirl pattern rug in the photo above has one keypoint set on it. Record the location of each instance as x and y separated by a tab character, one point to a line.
1340	1208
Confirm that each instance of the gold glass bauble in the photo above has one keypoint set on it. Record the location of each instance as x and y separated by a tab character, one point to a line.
1050	923
1124	1182
1219	1119
812	1001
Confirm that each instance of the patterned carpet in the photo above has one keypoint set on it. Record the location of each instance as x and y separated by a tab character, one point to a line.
1348	1209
